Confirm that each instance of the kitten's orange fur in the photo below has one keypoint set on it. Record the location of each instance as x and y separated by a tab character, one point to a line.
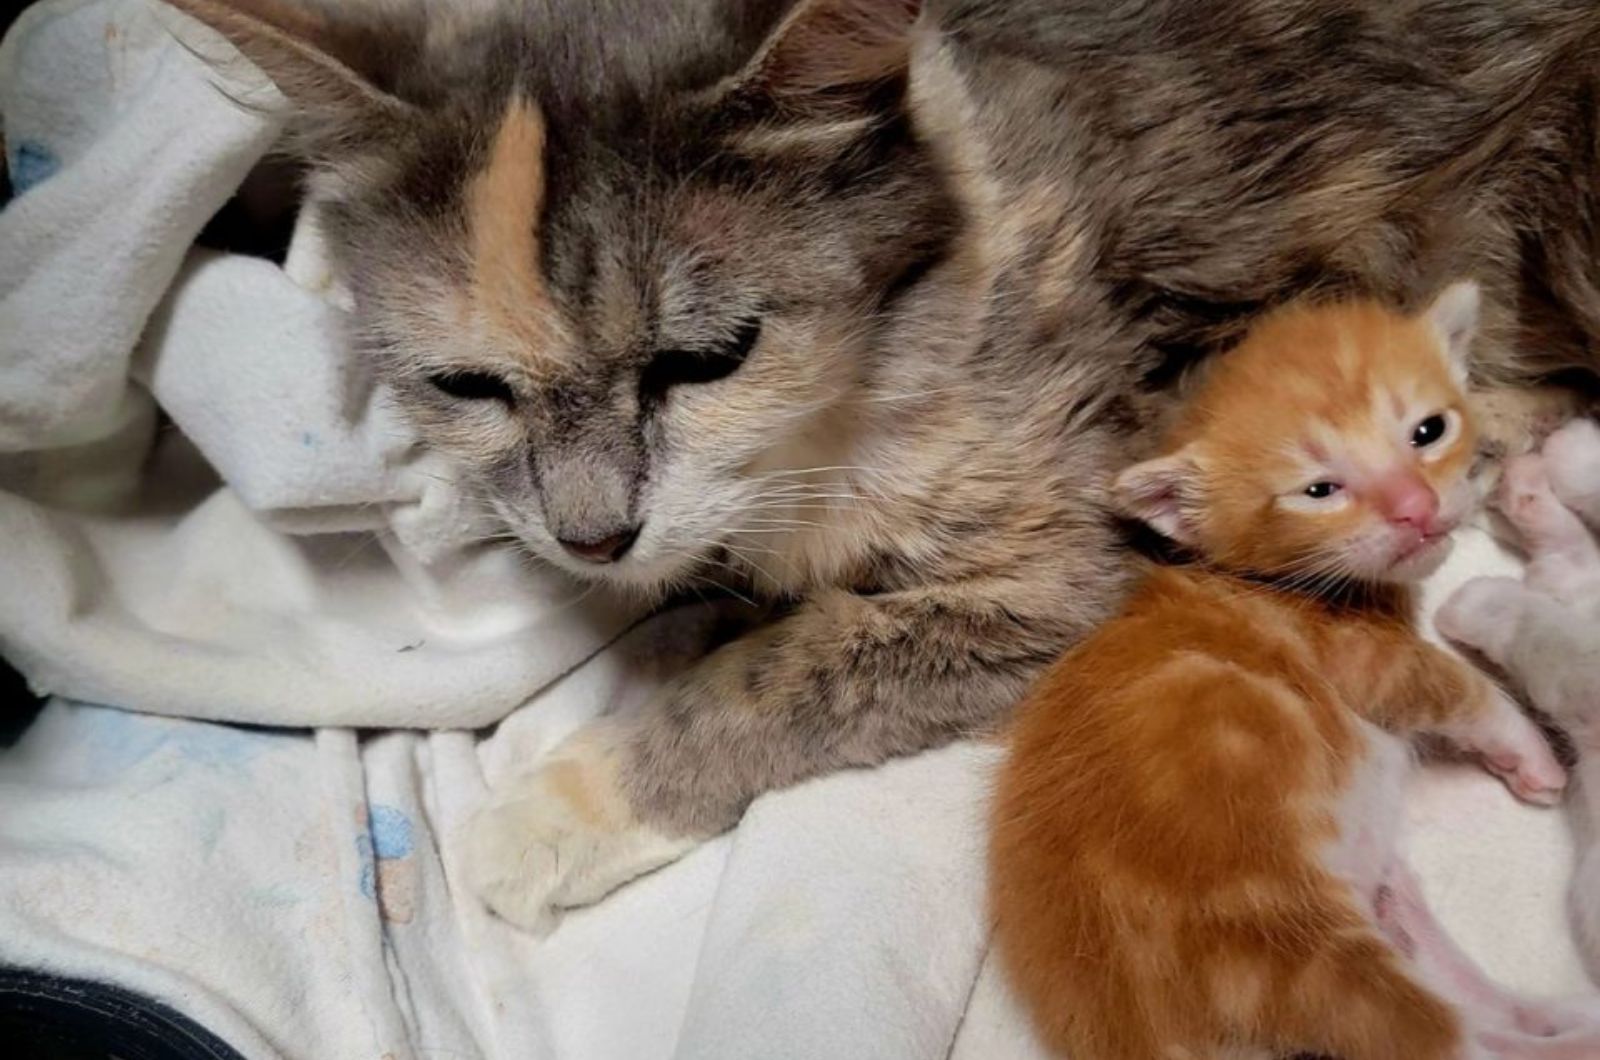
1195	820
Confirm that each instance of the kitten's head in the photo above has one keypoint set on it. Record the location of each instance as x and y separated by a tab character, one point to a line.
1333	442
623	259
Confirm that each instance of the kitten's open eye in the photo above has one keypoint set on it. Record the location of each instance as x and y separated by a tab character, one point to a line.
1322	490
670	368
474	386
1429	431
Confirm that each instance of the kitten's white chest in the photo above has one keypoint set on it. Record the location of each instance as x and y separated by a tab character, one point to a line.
1369	812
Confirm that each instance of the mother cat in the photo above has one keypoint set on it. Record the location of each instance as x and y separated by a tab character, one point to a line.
860	300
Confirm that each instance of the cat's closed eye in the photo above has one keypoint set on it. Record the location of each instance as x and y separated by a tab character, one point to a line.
670	368
471	385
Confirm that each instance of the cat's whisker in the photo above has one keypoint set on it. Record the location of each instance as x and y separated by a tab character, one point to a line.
730	590
789	472
823	492
740	553
755	526
812	500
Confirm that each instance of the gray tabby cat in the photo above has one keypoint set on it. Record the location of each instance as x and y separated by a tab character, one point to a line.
860	301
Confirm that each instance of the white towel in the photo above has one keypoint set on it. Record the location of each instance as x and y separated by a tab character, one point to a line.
298	895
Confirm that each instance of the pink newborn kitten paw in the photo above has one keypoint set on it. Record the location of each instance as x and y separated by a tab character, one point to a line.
1572	463
1559	1017
1506	1045
1556	540
1513	749
1482	614
1534	775
1525	494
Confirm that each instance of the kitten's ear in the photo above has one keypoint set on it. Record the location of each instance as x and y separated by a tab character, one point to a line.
1160	494
1454	315
828	57
323	69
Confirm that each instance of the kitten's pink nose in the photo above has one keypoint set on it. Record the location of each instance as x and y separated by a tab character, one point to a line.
1406	500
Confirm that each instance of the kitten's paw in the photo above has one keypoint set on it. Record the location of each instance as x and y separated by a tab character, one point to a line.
560	838
1572	462
1525	495
1538	784
1557	1017
1512	1045
1518	753
1511	747
1482	614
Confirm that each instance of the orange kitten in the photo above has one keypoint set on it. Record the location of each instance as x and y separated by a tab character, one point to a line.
1194	836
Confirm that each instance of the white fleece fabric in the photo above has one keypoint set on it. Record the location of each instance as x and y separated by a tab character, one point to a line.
283	556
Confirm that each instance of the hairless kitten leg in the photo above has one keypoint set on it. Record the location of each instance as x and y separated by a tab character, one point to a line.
1505	1023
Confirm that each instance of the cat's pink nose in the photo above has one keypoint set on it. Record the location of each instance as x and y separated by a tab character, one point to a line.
1406	500
606	549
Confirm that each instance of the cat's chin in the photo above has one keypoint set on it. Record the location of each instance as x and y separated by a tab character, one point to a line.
651	578
1417	563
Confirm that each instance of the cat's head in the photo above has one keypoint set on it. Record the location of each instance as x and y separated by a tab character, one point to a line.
1333	442
622	260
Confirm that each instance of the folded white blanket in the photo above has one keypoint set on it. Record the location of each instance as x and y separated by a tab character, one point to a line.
299	896
298	893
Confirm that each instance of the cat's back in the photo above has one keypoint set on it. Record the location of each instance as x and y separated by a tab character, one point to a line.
1189	163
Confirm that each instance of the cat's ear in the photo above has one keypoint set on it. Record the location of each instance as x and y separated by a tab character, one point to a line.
1160	493
830	57
1454	315
323	69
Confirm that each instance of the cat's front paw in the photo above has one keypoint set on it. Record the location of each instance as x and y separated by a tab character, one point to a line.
562	837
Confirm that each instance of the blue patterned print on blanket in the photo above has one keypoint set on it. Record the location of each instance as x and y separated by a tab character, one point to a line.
118	740
388	838
30	163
